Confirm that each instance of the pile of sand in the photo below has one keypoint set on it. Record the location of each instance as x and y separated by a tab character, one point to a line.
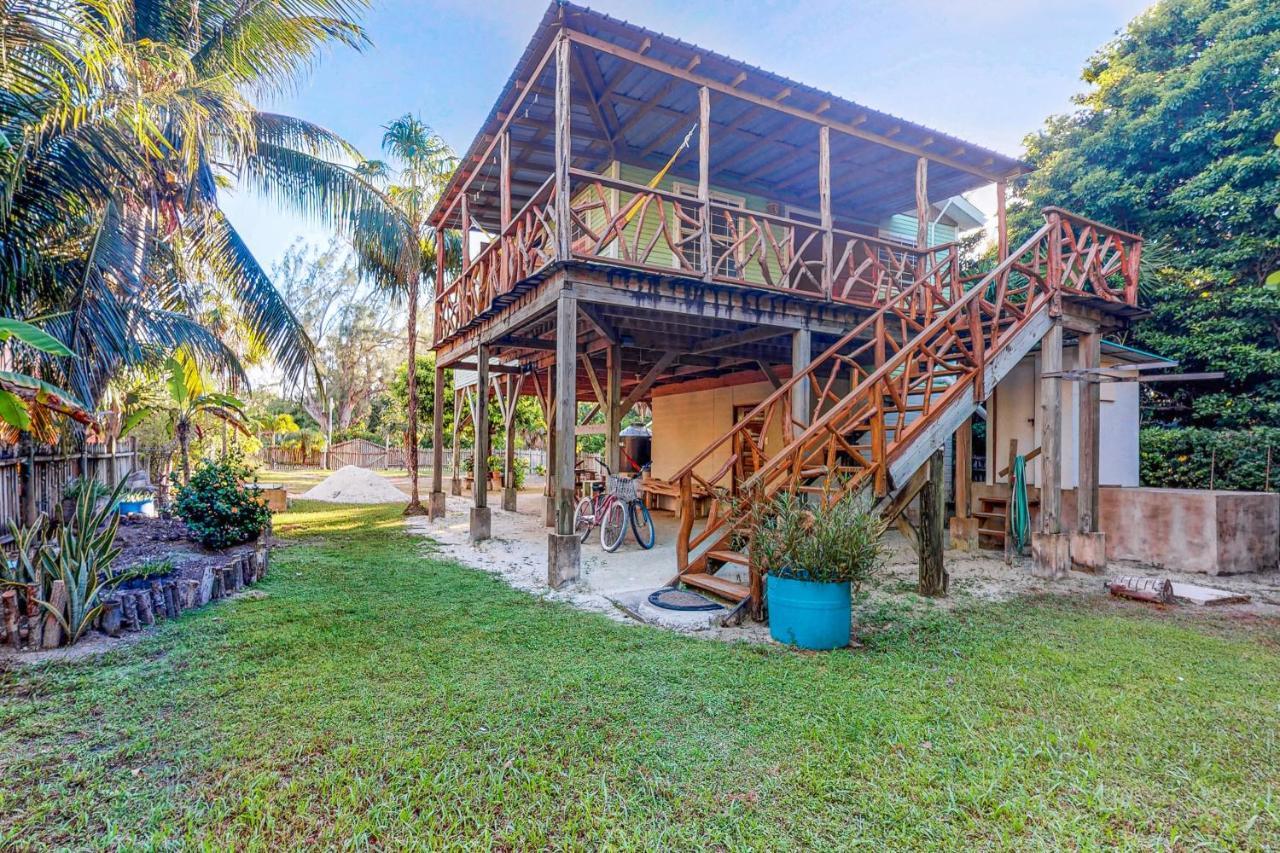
353	485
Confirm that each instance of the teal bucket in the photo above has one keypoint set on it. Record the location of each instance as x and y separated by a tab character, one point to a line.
809	615
146	507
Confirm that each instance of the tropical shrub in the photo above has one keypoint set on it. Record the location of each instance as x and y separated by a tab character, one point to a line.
841	542
220	509
1191	458
497	465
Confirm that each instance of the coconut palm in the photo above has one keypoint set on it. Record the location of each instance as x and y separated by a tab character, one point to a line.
404	259
111	237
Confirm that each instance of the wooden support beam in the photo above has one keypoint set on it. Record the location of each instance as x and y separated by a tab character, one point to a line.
596	387
642	387
922	203
1002	222
437	442
480	464
964	468
566	410
518	342
564	151
734	339
1051	432
767	370
613	408
704	181
824	207
603	327
801	392
933	572
1089	434
504	178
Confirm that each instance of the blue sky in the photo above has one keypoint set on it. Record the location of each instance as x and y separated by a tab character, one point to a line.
988	72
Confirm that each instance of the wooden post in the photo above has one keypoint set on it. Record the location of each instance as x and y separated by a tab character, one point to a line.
1002	221
436	509
563	152
504	179
704	180
1050	549
1090	405
1051	432
51	636
455	485
27	477
1088	544
922	203
480	516
964	468
466	233
933	573
801	392
613	409
824	208
563	545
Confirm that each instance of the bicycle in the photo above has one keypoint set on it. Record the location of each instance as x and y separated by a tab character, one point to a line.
612	505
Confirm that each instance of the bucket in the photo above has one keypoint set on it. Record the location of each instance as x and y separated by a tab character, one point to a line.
809	615
144	507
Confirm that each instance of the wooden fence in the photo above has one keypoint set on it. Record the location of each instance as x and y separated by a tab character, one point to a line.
34	484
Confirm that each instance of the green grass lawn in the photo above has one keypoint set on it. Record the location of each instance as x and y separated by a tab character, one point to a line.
367	693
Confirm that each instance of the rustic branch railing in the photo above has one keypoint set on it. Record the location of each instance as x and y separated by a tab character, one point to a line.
633	225
524	248
880	385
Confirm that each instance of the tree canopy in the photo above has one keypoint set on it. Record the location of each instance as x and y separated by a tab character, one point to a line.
1174	140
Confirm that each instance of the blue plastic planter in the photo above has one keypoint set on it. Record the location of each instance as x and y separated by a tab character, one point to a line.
146	507
809	615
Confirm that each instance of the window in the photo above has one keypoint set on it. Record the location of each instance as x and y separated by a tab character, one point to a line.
722	235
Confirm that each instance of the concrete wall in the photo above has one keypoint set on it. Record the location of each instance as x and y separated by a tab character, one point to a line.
684	424
1193	530
1014	411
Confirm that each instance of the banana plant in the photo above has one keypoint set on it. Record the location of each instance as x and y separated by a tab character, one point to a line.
184	401
26	401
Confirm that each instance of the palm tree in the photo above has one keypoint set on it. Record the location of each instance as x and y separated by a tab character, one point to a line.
402	260
120	122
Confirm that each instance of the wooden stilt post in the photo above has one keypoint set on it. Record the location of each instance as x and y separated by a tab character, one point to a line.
563	545
801	392
436	506
563	151
922	203
510	399
824	208
1088	545
964	527
455	485
613	409
933	573
480	514
1050	549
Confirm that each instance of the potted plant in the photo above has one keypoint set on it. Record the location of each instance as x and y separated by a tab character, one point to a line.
137	502
468	471
814	558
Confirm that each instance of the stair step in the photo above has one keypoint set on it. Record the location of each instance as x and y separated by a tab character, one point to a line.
1000	515
726	589
726	556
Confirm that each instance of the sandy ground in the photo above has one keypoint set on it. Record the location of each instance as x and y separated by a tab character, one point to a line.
618	584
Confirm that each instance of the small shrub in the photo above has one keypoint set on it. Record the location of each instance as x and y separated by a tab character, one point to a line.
837	543
219	509
497	464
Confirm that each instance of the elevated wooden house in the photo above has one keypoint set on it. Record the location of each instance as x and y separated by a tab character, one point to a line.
773	268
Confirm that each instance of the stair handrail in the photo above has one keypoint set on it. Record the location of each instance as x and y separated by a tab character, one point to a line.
891	365
786	387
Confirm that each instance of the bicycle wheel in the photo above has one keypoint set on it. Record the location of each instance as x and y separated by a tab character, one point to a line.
583	519
614	526
641	524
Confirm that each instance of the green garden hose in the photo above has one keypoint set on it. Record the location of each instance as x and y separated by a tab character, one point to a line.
1020	520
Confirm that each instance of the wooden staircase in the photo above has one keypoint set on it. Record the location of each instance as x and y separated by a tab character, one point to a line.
917	367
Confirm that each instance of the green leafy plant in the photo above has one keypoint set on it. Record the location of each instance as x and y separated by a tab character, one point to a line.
836	543
81	556
136	495
78	485
219	508
1192	458
520	467
23	569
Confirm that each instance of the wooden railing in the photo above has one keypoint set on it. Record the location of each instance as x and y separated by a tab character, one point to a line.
524	248
879	387
626	224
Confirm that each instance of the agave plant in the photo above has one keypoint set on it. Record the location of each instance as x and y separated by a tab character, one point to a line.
81	557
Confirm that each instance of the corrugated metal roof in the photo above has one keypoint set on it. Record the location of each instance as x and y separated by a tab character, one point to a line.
748	153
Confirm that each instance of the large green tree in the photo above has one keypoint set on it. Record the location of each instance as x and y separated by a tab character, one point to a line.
1173	139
